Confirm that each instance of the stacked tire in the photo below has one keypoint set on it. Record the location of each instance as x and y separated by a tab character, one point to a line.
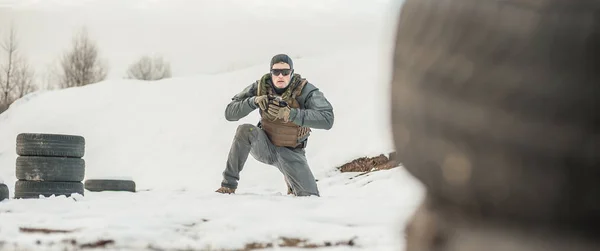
49	164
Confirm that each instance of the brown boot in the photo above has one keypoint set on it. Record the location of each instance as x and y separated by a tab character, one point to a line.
225	190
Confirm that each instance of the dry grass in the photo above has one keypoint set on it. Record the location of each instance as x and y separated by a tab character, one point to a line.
370	164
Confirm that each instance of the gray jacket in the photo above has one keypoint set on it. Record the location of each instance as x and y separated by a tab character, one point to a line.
315	110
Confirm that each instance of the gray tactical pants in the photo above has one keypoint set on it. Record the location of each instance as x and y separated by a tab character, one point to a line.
249	139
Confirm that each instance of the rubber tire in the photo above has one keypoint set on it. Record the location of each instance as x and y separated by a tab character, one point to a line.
99	185
35	168
493	107
4	192
32	189
50	145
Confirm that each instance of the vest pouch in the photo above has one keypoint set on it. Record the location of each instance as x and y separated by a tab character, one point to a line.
281	134
303	133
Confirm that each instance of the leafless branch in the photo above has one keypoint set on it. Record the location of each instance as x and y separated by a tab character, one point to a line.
9	45
149	68
23	79
81	64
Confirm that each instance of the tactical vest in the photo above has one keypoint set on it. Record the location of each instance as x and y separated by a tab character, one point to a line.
282	133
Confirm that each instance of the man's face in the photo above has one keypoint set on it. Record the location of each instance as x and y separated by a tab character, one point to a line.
281	74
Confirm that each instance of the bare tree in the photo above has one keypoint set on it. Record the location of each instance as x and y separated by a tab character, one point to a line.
23	79
3	106
50	77
149	68
81	64
9	45
17	76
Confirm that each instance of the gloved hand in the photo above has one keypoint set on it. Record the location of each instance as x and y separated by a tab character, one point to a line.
262	101
279	112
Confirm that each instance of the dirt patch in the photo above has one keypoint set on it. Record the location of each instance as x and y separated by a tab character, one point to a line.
97	244
298	243
283	242
44	230
370	164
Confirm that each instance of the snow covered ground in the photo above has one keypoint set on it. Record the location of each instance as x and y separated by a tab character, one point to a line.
171	137
368	214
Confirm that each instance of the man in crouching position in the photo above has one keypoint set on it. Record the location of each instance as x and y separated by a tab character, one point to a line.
289	107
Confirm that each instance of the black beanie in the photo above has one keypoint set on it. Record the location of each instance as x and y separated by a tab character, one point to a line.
282	58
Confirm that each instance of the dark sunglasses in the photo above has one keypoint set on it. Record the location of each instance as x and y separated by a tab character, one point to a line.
285	72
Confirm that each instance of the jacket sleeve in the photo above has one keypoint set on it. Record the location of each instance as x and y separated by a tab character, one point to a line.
317	112
241	104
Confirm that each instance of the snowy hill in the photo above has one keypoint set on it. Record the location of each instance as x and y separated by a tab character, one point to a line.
172	139
173	134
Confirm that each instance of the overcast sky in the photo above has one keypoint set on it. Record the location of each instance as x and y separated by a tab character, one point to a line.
197	37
